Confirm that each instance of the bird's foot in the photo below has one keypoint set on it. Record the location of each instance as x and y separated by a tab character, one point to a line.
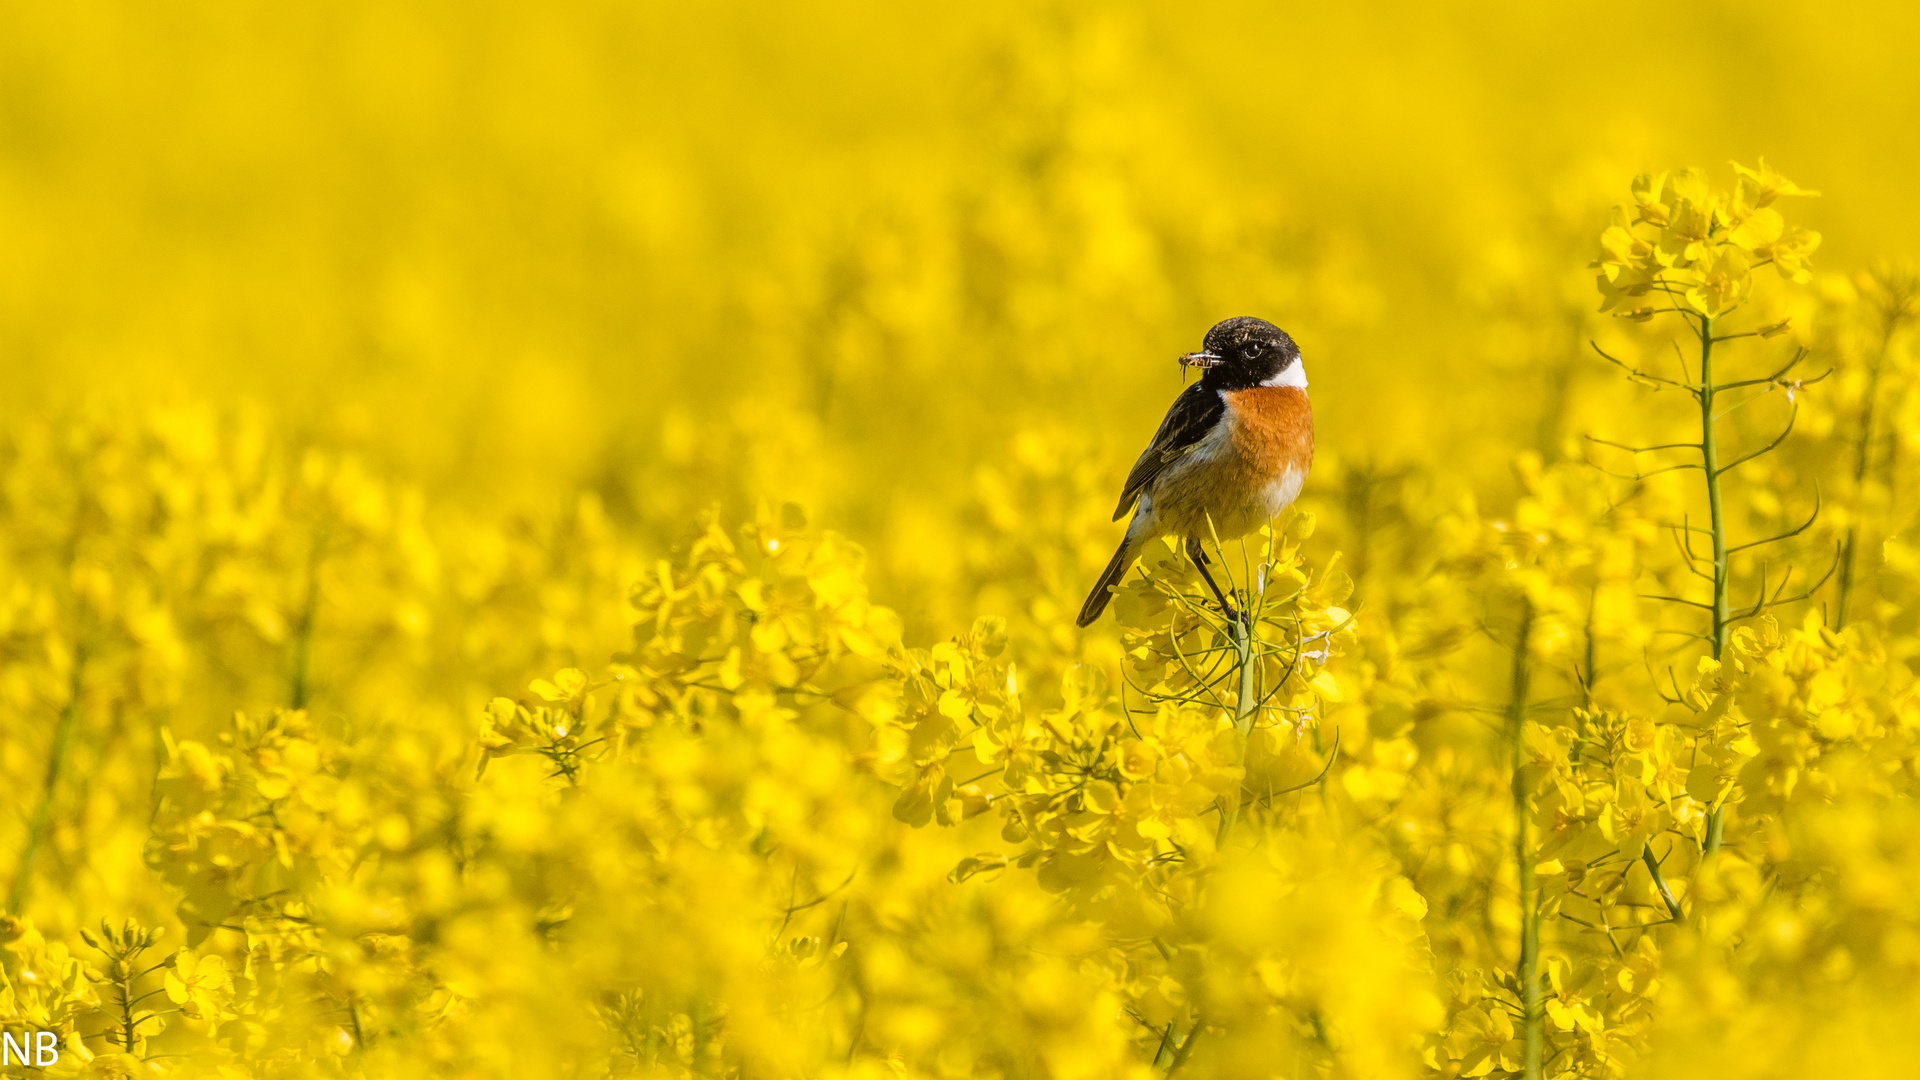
1234	614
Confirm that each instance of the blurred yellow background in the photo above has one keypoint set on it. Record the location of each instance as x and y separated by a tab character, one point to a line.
516	249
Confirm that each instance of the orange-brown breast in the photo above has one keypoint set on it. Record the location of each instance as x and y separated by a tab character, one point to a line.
1273	429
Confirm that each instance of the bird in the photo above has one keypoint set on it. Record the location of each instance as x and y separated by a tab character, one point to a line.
1233	451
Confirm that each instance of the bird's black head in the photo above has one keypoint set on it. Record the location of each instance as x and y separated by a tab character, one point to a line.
1243	352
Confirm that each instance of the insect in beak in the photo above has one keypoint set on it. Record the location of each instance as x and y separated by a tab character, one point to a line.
1201	359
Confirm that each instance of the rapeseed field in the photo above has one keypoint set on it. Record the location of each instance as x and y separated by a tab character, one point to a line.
544	541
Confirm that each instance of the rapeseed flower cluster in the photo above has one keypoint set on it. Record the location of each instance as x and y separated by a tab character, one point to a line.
654	655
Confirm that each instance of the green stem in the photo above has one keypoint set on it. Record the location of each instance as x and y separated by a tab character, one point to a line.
126	1007
56	765
303	629
1710	463
1242	715
1249	699
1186	1046
1163	1057
1846	578
1863	455
1593	650
353	1012
1660	883
1710	453
1529	970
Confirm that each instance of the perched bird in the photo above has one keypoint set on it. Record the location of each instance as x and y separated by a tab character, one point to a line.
1234	450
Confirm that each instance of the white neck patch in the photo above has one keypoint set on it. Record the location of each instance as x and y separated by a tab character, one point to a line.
1295	375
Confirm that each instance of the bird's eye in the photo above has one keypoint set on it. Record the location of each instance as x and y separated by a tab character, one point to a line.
1254	349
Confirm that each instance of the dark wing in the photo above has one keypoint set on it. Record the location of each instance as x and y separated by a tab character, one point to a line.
1194	413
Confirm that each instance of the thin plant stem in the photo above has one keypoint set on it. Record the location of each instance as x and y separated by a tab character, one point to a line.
1863	455
1243	713
125	989
56	766
1716	824
1186	1046
1249	701
299	689
353	1013
1529	967
1710	453
1660	883
1163	1056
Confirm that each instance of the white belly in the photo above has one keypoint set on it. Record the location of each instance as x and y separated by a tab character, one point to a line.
1279	494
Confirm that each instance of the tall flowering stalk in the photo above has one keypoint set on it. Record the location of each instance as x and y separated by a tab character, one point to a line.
1690	252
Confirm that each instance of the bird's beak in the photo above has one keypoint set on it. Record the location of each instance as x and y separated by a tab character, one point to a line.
1202	359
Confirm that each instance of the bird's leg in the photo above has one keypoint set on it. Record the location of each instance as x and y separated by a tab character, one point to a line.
1199	557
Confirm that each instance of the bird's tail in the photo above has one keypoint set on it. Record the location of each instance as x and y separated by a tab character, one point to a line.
1103	589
